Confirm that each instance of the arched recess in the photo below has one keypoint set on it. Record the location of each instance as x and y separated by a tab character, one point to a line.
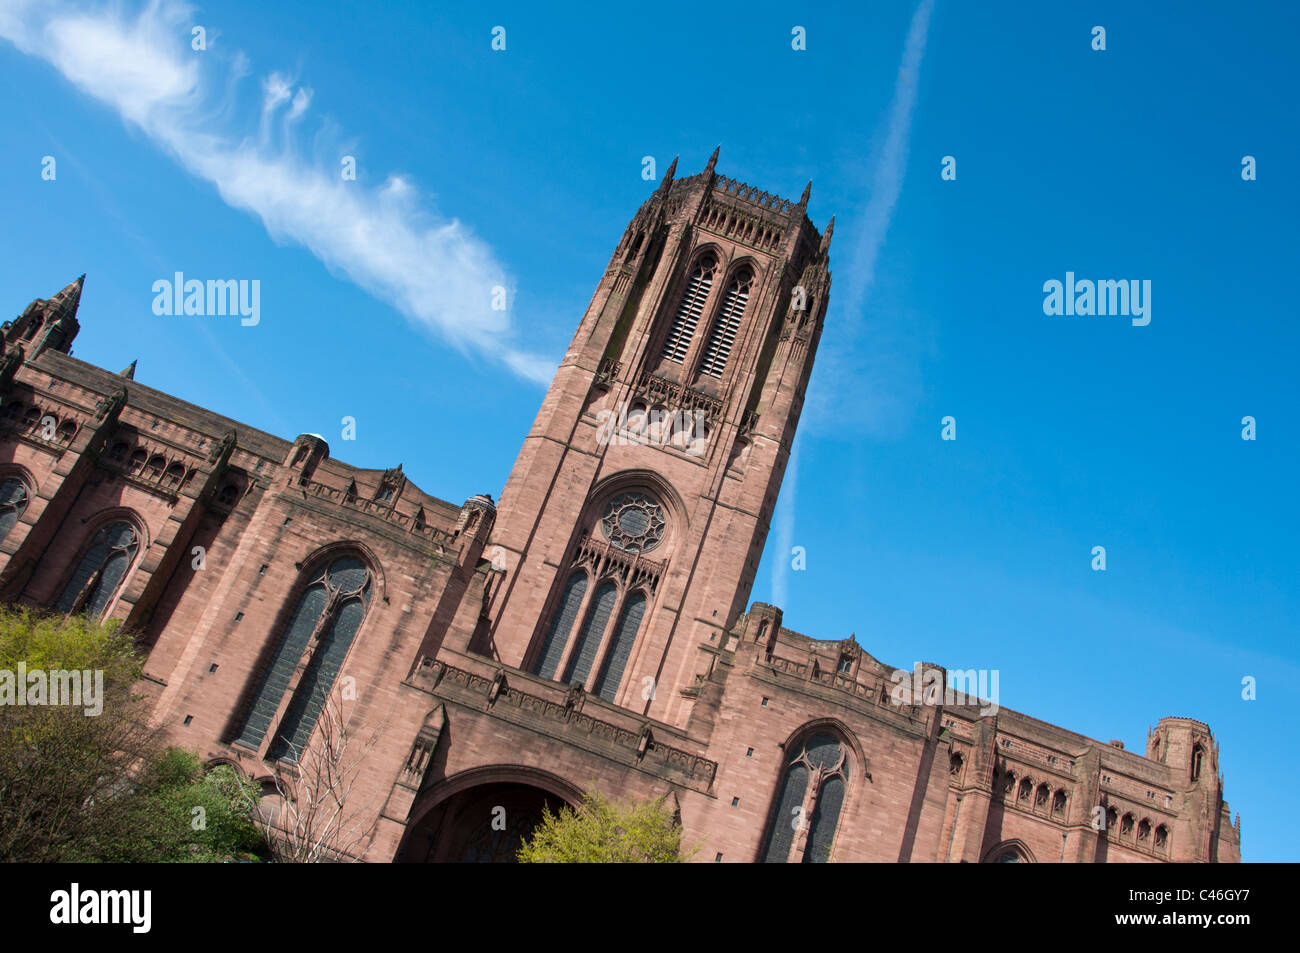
688	306
1013	851
714	360
86	581
322	616
452	819
627	480
325	553
17	490
814	793
573	643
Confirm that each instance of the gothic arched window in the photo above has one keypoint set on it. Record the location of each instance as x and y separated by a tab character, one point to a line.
99	575
1009	852
727	324
687	318
14	496
624	638
810	798
584	653
1058	802
324	622
557	636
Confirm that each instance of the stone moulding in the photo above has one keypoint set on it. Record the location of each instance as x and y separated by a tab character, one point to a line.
432	675
444	541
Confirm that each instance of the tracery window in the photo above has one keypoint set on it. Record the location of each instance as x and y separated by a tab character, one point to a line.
723	336
100	572
624	637
14	497
557	636
687	318
591	634
324	622
1009	852
810	798
584	653
633	522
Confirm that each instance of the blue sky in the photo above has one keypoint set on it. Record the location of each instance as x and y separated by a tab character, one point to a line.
522	167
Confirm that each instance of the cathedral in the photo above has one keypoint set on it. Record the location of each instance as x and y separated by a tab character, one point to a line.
590	629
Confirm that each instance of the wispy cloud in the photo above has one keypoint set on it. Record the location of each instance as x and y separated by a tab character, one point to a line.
860	388
888	181
868	388
388	240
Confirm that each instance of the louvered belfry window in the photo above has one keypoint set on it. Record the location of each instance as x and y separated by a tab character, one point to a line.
688	314
327	617
723	336
809	802
100	573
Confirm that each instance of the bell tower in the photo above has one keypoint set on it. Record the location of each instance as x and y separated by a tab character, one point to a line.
632	524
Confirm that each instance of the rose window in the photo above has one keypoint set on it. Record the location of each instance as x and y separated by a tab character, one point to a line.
633	522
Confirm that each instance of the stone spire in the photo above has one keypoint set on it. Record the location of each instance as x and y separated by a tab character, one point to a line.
826	236
66	302
58	324
129	371
668	176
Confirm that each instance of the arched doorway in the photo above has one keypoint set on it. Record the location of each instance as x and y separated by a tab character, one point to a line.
482	816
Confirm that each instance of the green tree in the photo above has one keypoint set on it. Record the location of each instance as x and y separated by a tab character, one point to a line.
601	832
92	781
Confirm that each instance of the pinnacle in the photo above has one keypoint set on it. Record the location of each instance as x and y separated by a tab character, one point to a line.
129	371
70	297
668	176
